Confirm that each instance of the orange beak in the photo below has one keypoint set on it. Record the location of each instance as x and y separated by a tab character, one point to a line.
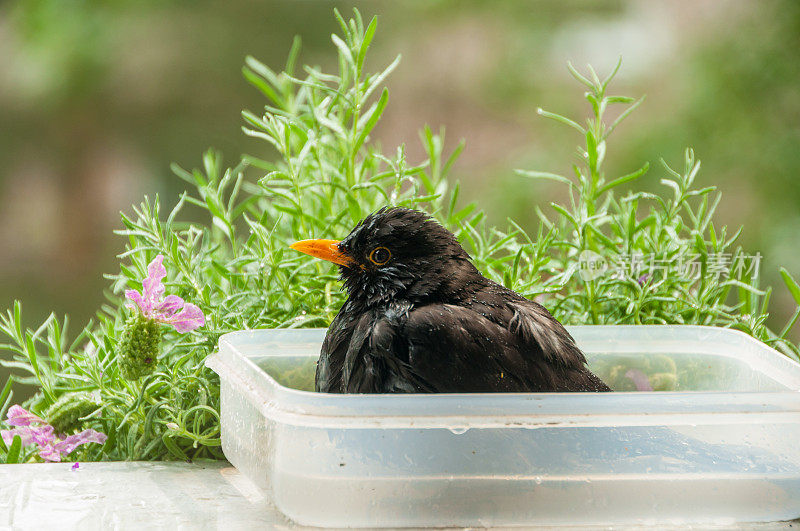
325	249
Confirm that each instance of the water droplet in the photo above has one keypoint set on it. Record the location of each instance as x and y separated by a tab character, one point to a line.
458	430
538	480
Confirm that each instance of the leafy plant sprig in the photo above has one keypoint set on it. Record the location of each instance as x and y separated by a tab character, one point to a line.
689	271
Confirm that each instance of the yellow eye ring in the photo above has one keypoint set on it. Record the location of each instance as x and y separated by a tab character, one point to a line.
380	255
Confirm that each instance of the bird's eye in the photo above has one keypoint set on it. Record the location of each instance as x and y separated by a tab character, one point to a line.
380	255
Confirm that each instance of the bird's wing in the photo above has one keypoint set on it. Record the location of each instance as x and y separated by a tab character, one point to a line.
535	326
456	348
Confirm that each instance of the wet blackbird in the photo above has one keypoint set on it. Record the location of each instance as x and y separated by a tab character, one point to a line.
420	318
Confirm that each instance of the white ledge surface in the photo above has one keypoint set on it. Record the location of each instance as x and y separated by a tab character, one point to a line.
139	495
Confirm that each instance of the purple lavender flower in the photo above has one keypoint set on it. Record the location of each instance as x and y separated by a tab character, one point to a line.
33	430
19	417
67	445
172	310
39	435
140	341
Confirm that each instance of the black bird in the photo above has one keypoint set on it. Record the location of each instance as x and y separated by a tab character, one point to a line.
420	318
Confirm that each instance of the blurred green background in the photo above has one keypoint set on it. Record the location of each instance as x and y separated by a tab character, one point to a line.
98	97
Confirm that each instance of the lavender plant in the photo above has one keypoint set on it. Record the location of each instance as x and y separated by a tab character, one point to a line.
235	268
681	267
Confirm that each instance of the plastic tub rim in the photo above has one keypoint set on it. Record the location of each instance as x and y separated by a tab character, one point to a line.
531	410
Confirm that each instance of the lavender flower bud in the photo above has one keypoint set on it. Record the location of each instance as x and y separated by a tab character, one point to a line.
138	347
65	414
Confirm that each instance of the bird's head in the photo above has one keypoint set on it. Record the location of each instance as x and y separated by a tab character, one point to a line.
396	253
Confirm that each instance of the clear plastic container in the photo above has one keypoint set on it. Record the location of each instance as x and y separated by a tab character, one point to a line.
721	448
